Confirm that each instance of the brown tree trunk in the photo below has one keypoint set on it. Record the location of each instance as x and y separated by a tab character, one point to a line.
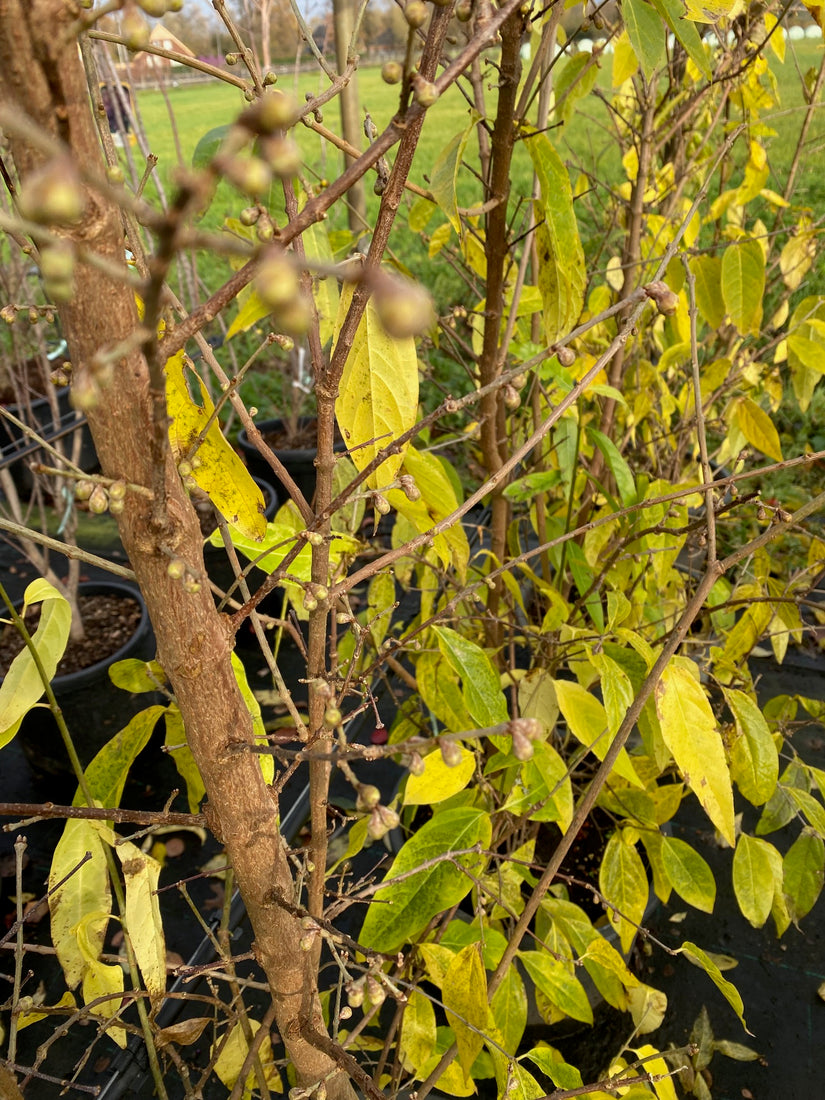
41	76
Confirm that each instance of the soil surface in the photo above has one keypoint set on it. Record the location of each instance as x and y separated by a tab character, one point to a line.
303	438
108	621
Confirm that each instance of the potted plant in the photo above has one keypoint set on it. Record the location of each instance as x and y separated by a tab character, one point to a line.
599	353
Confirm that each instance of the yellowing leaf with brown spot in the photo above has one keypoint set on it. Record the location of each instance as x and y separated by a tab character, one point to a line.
690	731
143	920
378	393
221	474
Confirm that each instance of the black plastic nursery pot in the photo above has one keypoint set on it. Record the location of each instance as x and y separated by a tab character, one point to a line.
18	452
298	461
93	708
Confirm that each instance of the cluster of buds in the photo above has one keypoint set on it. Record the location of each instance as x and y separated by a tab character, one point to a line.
665	300
100	498
157	8
310	932
57	269
523	732
367	986
178	570
382	819
9	313
411	490
279	287
315	594
61	375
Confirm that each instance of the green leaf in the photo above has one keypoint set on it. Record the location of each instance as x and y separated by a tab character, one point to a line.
480	684
737	1051
378	392
445	172
251	310
438	500
136	676
728	990
743	284
85	894
758	428
690	732
552	1065
780	807
575	81
804	867
208	145
623	475
22	687
438	781
587	721
440	691
107	773
559	986
673	12
754	881
465	999
707	273
402	909
644	28
623	881
544	787
754	758
418	1033
689	874
221	474
509	1009
562	276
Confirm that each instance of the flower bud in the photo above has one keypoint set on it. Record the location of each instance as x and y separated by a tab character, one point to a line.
375	990
117	507
155	8
392	72
176	569
283	156
425	93
411	490
309	603
566	356
83	490
191	584
277	281
511	397
249	215
403	307
664	298
355	993
276	111
233	58
117	490
134	29
98	500
381	504
8	314
368	797
249	174
416	13
450	752
522	746
415	765
315	538
53	195
332	717
464	11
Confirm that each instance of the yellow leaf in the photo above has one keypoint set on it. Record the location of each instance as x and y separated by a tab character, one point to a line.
252	310
378	393
418	1033
99	979
143	920
233	1052
438	781
758	428
689	730
625	62
26	1018
86	890
254	708
587	720
221	474
465	999
22	686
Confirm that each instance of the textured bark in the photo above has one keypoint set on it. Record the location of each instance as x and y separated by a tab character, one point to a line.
41	76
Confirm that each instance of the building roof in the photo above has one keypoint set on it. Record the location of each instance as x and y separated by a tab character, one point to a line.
163	38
